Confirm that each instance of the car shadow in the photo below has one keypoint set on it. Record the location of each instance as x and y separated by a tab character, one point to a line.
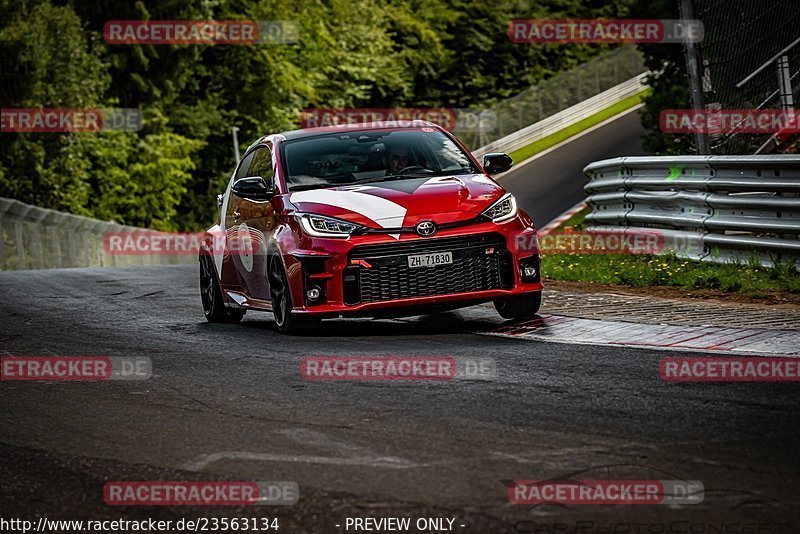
451	322
462	321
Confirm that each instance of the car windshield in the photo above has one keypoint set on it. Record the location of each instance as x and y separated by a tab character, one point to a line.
371	156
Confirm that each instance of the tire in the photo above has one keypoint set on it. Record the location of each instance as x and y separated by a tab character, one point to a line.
211	295
281	297
519	307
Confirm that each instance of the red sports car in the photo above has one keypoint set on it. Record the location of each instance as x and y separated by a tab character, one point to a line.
372	220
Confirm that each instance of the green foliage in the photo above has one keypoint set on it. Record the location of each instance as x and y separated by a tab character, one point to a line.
669	83
668	270
351	53
46	60
142	180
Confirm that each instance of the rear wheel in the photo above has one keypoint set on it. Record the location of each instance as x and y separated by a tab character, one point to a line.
211	295
519	307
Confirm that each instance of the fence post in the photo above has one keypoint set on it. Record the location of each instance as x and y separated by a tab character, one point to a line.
597	78
37	217
2	244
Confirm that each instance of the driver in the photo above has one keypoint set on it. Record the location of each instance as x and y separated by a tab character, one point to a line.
397	159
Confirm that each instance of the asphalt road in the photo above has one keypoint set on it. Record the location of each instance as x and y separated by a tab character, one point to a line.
553	183
228	401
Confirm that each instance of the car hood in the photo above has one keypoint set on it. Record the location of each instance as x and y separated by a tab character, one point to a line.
403	203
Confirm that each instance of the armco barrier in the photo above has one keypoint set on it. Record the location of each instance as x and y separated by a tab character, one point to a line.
714	208
39	238
559	101
567	117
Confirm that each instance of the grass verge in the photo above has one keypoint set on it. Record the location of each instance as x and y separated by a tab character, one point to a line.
668	270
553	139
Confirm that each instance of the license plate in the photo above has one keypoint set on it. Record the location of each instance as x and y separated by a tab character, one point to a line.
430	260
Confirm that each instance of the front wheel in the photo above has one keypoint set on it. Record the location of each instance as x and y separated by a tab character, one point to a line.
281	296
519	307
211	295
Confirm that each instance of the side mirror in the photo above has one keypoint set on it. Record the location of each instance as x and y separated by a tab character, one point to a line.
497	162
252	188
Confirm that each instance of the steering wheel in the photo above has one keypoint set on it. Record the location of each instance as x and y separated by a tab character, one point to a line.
413	168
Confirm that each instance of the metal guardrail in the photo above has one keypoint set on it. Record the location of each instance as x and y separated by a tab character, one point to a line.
39	238
567	117
551	96
714	208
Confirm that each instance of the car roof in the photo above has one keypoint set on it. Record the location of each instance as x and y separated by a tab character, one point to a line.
358	127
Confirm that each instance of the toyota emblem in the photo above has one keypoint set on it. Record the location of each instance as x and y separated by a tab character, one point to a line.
425	228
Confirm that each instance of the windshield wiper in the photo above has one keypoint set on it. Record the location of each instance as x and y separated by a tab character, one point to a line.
306	187
392	177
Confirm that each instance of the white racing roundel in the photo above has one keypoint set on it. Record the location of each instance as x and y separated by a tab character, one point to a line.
245	244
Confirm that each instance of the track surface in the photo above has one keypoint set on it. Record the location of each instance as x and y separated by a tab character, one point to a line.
553	182
235	391
228	401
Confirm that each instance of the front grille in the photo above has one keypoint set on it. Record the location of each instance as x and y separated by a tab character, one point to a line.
480	262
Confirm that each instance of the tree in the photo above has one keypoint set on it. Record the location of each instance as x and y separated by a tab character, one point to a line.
669	82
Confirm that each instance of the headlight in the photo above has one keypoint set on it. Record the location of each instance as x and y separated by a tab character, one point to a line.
320	226
504	209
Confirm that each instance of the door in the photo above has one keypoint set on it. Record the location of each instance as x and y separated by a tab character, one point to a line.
249	225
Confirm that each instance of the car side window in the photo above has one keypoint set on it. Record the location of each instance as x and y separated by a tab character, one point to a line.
244	168
262	164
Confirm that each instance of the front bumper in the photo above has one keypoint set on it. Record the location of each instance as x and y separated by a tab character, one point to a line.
369	275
